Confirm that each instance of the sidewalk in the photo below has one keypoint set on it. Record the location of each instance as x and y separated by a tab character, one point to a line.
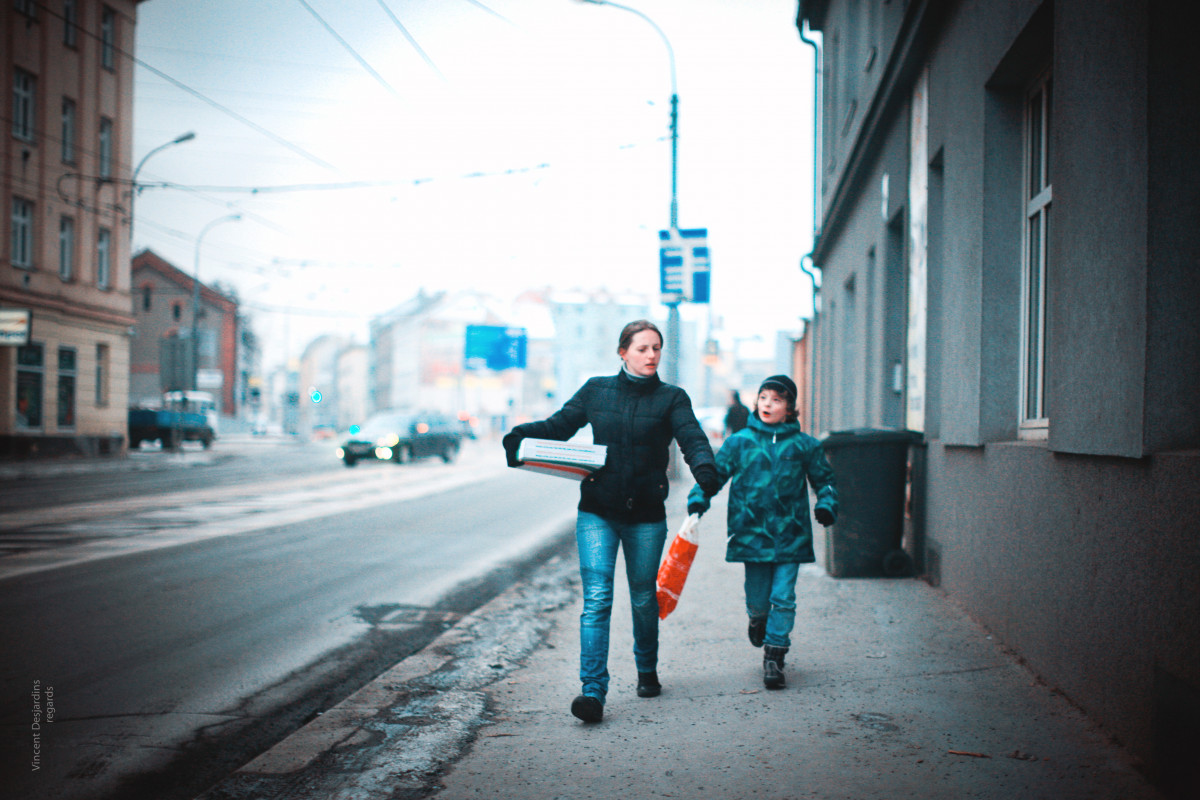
892	693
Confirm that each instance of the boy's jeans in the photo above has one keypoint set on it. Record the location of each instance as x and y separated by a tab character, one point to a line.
598	539
771	593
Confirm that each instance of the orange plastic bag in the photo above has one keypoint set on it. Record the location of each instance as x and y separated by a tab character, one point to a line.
674	570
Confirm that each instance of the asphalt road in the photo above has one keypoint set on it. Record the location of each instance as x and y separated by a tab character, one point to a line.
222	623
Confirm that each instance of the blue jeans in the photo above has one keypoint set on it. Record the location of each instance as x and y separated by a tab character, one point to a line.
598	539
771	593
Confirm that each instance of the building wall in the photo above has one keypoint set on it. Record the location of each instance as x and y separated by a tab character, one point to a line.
1078	549
78	310
162	305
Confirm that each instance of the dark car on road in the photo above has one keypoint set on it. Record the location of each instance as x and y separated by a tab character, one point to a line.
401	436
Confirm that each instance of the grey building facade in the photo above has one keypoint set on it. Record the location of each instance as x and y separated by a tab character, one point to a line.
1009	252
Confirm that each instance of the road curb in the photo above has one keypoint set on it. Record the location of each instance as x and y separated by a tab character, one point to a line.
405	726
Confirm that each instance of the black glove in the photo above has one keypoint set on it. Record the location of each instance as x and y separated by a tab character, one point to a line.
696	508
824	515
706	475
512	442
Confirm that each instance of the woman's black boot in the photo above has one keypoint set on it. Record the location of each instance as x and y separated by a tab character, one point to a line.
773	667
648	685
588	708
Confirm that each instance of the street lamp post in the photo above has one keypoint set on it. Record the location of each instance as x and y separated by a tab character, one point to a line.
672	307
196	296
134	189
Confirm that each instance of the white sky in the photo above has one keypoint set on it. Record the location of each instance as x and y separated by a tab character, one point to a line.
534	152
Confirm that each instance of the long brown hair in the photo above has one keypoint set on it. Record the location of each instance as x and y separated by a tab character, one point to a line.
633	329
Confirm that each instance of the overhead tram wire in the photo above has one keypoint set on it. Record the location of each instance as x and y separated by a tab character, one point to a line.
295	148
409	36
490	11
350	49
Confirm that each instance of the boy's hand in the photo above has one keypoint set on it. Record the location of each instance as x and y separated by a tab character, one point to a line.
824	515
696	508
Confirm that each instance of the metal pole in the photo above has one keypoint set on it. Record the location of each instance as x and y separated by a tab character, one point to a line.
134	190
196	296
672	343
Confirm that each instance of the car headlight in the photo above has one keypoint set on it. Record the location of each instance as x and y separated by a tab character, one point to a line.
391	440
341	453
383	453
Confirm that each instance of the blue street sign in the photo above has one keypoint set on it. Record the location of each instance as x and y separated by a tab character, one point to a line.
685	268
495	347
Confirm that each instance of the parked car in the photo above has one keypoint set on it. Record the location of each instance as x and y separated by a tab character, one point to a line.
401	436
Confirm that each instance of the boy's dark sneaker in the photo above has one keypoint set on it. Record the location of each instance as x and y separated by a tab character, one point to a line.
648	685
588	708
773	667
757	630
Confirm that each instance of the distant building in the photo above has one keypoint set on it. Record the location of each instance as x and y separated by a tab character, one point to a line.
320	398
1008	245
587	326
351	370
162	348
417	352
64	184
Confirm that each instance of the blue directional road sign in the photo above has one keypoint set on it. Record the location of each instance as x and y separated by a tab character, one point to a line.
685	269
495	347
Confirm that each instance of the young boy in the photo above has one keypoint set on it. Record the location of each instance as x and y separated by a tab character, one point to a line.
767	463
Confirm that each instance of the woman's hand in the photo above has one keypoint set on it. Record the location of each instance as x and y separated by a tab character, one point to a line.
512	443
706	475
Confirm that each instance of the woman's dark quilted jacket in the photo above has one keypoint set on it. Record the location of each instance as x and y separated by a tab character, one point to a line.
636	420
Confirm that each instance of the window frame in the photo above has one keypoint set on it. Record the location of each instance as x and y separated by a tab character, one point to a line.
36	372
21	233
108	38
102	375
66	248
104	258
105	156
67	378
1037	197
70	16
69	129
24	107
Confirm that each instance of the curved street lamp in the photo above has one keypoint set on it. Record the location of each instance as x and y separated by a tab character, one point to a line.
672	308
134	189
196	294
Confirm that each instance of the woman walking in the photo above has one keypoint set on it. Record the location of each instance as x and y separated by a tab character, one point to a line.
622	505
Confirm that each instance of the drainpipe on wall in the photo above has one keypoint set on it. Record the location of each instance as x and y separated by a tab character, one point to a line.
806	261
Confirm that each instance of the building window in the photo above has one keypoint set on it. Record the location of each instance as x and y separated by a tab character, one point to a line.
1037	197
21	252
102	373
66	387
24	92
106	148
104	258
66	248
108	38
70	22
176	311
68	130
147	291
30	367
26	7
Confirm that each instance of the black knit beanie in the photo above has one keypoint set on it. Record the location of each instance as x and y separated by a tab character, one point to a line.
780	383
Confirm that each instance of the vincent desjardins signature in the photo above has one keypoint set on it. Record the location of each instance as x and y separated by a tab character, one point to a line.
43	712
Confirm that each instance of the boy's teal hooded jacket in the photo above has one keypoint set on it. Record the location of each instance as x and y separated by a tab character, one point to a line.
768	500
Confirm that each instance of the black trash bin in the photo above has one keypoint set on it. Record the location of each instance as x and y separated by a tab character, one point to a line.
870	466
